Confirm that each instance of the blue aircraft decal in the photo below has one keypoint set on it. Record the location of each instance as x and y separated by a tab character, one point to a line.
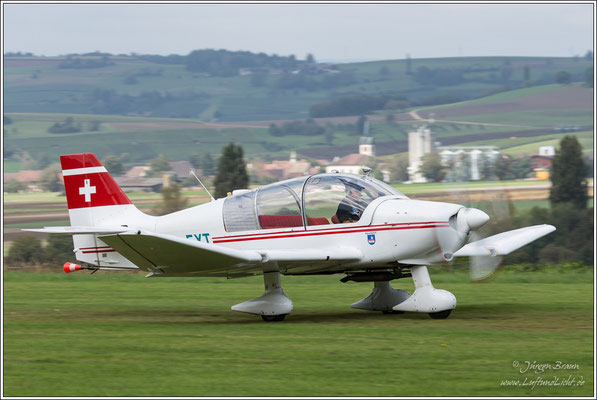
198	236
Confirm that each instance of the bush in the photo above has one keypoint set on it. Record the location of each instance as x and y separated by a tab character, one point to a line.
26	249
13	186
58	249
66	126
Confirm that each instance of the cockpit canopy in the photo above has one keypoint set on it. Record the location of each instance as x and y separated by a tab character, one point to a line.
310	200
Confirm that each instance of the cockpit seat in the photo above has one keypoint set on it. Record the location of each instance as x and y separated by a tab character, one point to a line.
280	221
288	221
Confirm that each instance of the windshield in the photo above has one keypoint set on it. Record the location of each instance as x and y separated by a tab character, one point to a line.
387	188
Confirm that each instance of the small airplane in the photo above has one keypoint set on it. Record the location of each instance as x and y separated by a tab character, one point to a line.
328	223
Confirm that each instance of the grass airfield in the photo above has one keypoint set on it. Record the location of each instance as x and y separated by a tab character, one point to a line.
120	334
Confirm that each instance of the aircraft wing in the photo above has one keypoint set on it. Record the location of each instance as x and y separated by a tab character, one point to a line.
506	242
172	255
169	255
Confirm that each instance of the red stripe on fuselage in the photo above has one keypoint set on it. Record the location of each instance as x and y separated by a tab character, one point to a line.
318	232
340	226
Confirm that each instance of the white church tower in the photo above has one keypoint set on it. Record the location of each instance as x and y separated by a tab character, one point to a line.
366	143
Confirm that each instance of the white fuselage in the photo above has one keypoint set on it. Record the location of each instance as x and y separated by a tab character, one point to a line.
391	229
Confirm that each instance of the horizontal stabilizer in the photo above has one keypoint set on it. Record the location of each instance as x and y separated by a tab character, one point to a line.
506	242
80	229
173	255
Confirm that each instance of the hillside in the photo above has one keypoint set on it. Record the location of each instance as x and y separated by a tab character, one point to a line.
40	95
160	87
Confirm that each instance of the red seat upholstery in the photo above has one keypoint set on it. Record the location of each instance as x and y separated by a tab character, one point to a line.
280	221
317	221
335	219
288	221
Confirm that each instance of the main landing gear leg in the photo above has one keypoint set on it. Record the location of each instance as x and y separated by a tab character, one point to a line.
427	299
382	298
273	305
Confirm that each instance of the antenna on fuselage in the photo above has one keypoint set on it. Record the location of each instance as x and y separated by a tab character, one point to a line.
366	170
196	177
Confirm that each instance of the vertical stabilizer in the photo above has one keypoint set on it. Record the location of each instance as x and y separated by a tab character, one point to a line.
94	199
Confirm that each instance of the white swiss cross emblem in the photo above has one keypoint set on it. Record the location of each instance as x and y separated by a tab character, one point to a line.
87	190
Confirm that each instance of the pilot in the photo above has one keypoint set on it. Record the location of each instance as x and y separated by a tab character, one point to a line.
352	206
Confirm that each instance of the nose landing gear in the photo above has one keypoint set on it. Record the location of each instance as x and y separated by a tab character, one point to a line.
437	303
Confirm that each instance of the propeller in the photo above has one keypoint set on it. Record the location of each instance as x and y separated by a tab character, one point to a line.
495	201
473	223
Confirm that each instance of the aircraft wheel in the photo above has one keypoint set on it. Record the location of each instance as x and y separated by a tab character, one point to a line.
440	315
392	312
273	318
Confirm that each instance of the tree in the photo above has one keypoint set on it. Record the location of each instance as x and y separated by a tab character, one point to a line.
527	75
503	168
26	248
49	179
172	200
158	165
384	71
563	77
568	183
58	249
399	169
66	126
207	165
113	165
432	167
195	160
232	171
13	186
589	78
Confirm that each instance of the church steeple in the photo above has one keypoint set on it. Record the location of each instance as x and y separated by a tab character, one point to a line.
366	142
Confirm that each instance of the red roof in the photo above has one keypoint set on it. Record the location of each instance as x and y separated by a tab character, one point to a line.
25	176
352	159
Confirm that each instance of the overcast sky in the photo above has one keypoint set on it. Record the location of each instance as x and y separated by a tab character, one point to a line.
341	32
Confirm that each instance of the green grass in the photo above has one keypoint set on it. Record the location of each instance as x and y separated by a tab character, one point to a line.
115	334
534	118
12	166
32	225
39	197
530	145
419	188
502	96
585	139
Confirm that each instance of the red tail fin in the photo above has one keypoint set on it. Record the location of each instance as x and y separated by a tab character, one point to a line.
88	183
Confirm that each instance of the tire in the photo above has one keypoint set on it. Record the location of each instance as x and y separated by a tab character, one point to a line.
440	315
273	318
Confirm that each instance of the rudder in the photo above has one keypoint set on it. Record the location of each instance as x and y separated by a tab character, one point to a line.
94	199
